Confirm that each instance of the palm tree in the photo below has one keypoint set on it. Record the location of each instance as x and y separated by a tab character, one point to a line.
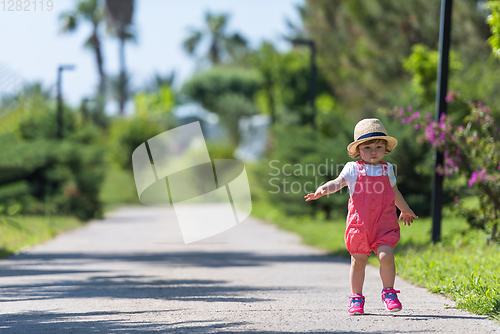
120	14
93	12
222	44
159	80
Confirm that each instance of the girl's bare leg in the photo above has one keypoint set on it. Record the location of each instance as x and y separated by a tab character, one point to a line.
385	255
357	274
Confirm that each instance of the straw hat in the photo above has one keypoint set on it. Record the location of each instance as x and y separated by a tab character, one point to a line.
369	129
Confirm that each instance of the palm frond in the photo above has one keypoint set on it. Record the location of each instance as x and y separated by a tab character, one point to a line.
217	23
69	21
192	42
158	80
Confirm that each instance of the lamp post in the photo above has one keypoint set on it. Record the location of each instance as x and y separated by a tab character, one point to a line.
442	88
59	98
312	82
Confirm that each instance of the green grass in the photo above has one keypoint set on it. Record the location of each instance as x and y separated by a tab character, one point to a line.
463	266
118	188
25	231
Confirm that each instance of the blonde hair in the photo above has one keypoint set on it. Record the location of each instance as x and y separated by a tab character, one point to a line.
373	141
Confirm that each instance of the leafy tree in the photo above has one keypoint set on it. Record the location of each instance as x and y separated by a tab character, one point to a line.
266	60
423	65
39	173
494	23
92	12
158	81
361	42
120	14
223	45
228	92
471	148
153	115
285	90
208	86
230	108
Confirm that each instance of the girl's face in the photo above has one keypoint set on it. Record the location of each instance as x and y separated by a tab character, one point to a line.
372	153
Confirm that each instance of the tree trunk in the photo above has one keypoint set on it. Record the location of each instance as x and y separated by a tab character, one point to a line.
99	60
123	89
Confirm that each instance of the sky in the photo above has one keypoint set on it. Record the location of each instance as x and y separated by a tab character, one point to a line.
32	46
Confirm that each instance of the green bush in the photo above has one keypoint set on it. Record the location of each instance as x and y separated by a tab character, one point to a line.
43	174
423	64
494	23
207	87
230	108
301	159
127	134
153	115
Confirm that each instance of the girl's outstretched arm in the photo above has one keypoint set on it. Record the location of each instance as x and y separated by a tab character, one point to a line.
407	214
328	188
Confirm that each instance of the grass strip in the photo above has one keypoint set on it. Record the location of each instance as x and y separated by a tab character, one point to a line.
25	231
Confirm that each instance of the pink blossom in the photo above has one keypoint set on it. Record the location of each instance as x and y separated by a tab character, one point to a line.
403	120
478	174
442	137
442	118
401	112
473	179
429	115
483	175
416	127
460	128
409	108
499	165
439	170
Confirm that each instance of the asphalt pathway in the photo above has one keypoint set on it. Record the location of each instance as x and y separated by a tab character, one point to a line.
131	272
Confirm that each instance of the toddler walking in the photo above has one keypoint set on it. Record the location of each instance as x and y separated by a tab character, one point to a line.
372	222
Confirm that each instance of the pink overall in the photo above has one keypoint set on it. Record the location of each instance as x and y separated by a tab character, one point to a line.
372	219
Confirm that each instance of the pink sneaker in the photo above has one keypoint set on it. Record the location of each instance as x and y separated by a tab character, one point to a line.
391	300
357	302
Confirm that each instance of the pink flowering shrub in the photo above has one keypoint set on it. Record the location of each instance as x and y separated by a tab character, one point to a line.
470	142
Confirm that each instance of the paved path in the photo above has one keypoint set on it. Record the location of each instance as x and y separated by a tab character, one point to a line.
132	273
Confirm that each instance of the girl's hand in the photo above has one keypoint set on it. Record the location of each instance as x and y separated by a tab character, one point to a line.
407	217
319	192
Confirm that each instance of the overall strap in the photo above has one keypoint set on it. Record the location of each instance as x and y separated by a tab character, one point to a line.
361	168
385	168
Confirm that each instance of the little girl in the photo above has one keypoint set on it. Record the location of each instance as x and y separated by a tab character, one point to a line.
372	222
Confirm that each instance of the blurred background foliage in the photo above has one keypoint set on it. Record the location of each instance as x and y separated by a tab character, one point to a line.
41	174
370	54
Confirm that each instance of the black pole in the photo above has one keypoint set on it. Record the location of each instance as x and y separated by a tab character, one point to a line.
442	88
59	117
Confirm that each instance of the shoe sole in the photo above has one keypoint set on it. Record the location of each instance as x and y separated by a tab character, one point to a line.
356	313
393	310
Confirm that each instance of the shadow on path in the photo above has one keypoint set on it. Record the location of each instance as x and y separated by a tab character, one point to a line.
66	282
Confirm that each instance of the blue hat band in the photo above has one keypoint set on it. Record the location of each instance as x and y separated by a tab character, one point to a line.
372	134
